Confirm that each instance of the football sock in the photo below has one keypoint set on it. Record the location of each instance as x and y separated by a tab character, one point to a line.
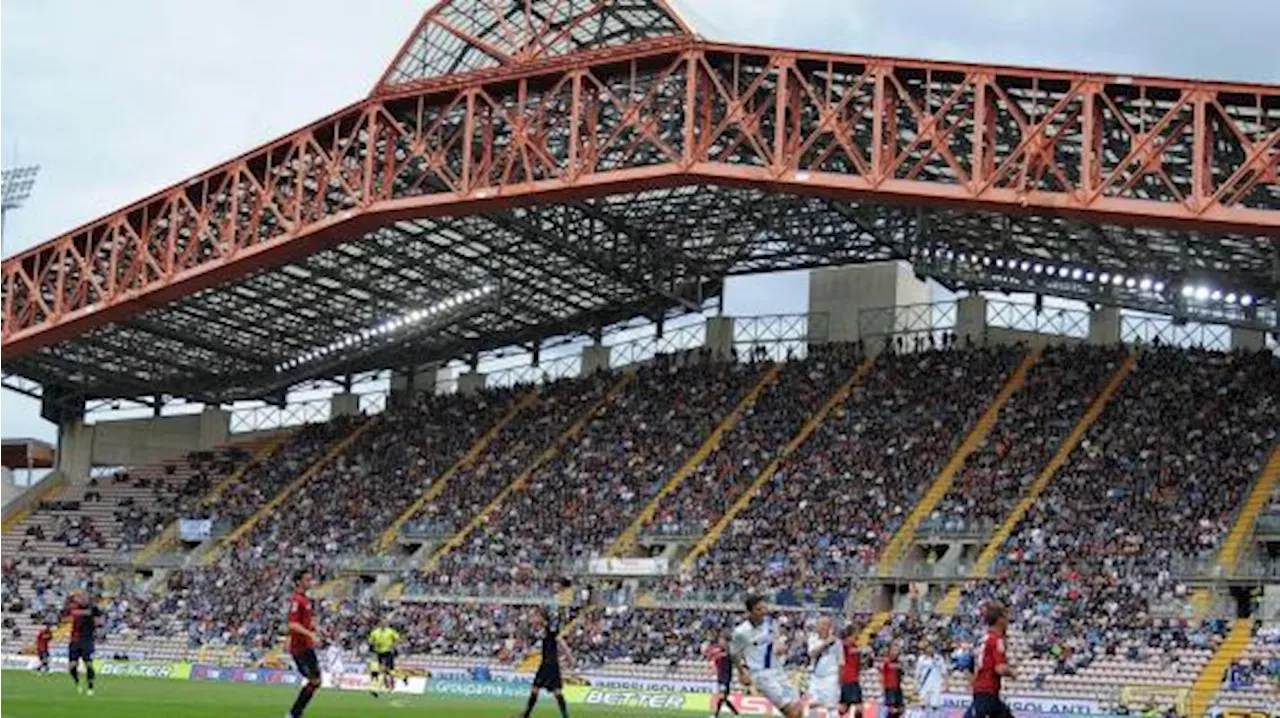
304	697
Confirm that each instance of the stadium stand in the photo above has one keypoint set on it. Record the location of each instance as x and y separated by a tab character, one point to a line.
890	437
1093	572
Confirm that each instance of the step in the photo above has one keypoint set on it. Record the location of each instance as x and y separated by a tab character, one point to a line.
626	540
820	415
520	480
942	483
988	556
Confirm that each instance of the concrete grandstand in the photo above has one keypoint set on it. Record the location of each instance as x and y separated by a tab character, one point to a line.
524	233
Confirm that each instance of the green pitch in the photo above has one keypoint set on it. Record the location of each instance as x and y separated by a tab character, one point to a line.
30	695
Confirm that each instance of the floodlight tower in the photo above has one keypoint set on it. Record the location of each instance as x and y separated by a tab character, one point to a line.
15	187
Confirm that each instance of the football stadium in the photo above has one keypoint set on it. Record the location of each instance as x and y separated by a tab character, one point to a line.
437	405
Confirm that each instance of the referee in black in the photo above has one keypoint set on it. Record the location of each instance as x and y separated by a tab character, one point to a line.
548	675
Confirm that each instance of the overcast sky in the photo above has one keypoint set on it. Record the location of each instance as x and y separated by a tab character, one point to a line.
119	98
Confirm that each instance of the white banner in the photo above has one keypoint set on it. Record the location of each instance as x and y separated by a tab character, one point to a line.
416	685
195	530
628	566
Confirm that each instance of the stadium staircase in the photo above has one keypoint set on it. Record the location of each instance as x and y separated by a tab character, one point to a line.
980	567
625	541
1214	670
388	538
877	621
815	420
520	481
338	449
1241	531
169	537
906	533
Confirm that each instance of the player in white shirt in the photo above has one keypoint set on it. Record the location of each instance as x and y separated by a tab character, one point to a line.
826	654
760	662
929	679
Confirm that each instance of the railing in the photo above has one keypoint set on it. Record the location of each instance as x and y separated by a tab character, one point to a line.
932	320
782	337
1148	330
1057	321
264	418
951	527
674	340
428	530
362	563
544	372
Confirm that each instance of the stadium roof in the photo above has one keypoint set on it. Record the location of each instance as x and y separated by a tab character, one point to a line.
533	168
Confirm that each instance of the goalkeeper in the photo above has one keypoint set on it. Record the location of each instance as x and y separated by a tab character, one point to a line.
382	641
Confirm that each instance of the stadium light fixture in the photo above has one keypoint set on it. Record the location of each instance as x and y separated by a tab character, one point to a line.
388	327
1230	298
1246	300
1145	284
16	184
1202	293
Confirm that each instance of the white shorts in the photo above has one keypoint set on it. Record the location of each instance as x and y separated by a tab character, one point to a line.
931	697
776	686
825	690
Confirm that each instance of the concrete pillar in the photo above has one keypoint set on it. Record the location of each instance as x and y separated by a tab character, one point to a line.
75	450
719	338
470	382
1104	326
844	300
344	404
215	427
405	385
971	318
1247	340
595	358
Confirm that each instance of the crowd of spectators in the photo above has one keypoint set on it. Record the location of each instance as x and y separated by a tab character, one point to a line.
1152	487
762	432
834	503
558	406
1150	492
576	503
1031	426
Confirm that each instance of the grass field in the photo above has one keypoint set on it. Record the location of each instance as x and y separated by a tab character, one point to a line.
30	695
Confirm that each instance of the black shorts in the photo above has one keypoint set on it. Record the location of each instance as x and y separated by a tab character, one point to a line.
851	694
548	678
893	698
387	661
44	657
307	663
80	651
989	705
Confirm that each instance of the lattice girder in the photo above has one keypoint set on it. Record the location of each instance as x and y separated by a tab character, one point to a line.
1191	164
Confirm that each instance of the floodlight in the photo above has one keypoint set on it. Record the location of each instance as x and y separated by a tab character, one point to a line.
16	186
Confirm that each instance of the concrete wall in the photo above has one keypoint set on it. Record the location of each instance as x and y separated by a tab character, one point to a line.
15	505
134	442
719	337
470	382
421	379
9	490
595	358
842	293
